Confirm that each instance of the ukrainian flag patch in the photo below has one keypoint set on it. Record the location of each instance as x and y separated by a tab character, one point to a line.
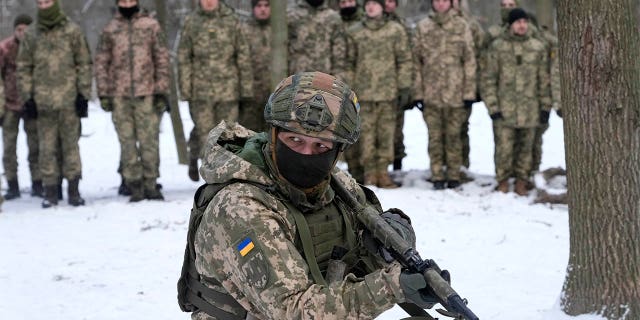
245	246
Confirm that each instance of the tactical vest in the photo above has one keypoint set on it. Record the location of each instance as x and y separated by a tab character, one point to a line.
320	233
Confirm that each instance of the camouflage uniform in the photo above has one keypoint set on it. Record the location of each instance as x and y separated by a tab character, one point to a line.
131	66
54	66
316	40
215	70
446	76
10	125
259	38
379	65
516	84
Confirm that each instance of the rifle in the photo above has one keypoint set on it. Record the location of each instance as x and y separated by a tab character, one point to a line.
408	257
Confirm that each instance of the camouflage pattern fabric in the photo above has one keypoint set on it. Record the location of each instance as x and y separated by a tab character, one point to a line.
138	125
464	139
270	278
132	58
376	141
259	38
215	62
58	134
513	148
516	81
206	115
54	66
445	145
316	40
536	154
446	71
10	128
8	55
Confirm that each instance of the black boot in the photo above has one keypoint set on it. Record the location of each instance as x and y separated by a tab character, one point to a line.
50	196
123	190
452	184
13	191
397	164
60	189
137	193
439	185
36	188
74	194
193	170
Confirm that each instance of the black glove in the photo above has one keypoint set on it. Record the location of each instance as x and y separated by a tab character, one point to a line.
82	106
468	103
106	103
415	290
30	109
161	103
544	117
496	116
401	223
418	104
559	113
404	98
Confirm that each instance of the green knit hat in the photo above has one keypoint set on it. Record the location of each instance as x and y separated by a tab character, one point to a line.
22	19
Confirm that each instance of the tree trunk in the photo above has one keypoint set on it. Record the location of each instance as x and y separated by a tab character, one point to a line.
599	50
279	32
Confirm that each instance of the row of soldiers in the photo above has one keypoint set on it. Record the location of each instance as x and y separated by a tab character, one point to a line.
224	75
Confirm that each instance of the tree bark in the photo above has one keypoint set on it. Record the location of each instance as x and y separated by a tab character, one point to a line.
599	50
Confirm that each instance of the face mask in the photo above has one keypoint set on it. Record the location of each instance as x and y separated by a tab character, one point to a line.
504	14
348	11
304	170
128	12
315	3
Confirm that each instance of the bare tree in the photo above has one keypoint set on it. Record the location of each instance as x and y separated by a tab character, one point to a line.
599	49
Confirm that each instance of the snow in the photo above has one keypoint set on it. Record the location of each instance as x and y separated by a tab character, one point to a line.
116	260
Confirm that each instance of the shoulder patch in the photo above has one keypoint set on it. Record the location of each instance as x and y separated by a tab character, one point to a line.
252	262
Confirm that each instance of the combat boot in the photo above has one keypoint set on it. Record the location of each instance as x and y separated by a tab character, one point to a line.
73	193
503	186
136	190
193	170
151	190
123	189
397	165
13	191
439	185
452	184
50	196
385	182
521	187
370	179
36	188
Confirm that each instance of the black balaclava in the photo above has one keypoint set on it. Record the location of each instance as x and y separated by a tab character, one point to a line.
129	12
304	170
315	3
348	12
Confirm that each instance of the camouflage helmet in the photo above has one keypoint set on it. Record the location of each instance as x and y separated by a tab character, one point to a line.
315	104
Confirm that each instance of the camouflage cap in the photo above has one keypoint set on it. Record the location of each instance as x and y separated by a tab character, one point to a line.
315	104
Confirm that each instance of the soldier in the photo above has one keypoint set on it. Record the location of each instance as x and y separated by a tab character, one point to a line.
54	71
316	38
349	12
215	72
380	65
515	87
498	29
14	112
446	86
132	76
258	31
277	188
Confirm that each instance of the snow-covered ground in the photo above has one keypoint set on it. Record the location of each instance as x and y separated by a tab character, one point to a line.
116	260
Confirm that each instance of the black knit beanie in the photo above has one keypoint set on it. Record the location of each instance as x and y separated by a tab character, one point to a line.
381	2
22	19
516	14
254	3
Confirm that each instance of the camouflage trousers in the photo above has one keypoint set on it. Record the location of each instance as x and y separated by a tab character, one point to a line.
376	139
466	148
251	116
514	147
398	136
138	125
10	129
58	135
445	144
537	147
205	116
353	156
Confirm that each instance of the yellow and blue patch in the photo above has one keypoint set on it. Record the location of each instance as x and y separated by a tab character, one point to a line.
245	246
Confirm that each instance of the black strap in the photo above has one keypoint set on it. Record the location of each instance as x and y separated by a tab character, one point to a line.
210	309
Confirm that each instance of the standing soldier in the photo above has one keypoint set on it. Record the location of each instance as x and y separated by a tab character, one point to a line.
54	78
496	30
14	112
380	64
132	76
515	87
258	31
316	38
215	72
349	12
446	85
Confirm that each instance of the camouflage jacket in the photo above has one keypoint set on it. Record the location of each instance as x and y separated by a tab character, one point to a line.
54	65
316	40
259	38
444	50
554	67
516	80
272	279
379	59
132	58
8	54
214	57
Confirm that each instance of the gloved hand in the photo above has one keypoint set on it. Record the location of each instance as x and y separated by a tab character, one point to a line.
401	223
544	117
418	104
30	109
496	116
415	290
106	103
468	103
161	103
559	113
82	106
404	97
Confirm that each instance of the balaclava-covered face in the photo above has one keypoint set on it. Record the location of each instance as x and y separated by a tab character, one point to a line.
304	170
51	16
